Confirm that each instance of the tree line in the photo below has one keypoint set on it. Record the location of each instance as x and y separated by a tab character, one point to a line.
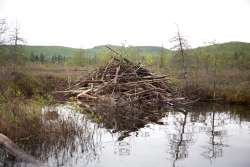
43	58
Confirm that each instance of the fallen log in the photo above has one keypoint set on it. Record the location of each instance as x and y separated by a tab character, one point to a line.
18	153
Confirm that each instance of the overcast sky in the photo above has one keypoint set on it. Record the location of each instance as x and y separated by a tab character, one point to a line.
87	23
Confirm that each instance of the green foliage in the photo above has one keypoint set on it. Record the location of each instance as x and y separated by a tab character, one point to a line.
103	57
50	51
4	55
228	55
12	54
225	65
148	59
79	59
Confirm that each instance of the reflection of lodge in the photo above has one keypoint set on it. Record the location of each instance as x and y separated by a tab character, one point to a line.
180	139
122	148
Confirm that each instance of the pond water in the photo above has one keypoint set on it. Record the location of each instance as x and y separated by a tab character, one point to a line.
206	135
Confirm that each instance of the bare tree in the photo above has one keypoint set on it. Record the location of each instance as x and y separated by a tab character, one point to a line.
215	70
16	40
180	48
3	30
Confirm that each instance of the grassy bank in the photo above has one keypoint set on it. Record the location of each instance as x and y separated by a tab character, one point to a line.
19	85
40	80
28	115
228	86
35	80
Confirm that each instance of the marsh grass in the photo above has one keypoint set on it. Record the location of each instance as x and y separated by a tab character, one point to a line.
232	85
42	132
24	85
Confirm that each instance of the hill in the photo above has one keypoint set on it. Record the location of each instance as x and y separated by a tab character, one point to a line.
50	51
226	49
231	53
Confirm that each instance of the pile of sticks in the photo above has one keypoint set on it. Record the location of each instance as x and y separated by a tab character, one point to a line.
124	96
122	82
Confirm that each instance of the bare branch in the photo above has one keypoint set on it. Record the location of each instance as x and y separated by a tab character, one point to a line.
3	30
180	47
14	37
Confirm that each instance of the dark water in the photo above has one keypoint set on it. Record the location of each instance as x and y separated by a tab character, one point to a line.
206	135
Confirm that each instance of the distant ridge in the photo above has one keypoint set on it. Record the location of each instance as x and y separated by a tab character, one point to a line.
226	48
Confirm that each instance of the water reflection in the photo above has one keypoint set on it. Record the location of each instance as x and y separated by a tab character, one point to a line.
202	135
181	136
215	121
122	148
85	145
125	119
216	134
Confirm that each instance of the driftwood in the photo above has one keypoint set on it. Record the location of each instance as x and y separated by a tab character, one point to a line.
18	153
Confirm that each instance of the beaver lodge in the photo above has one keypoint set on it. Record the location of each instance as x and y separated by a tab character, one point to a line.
124	96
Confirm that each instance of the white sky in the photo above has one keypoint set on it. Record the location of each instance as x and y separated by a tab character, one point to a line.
86	23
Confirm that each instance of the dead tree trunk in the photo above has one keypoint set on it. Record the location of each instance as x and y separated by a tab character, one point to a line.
180	47
215	76
15	151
